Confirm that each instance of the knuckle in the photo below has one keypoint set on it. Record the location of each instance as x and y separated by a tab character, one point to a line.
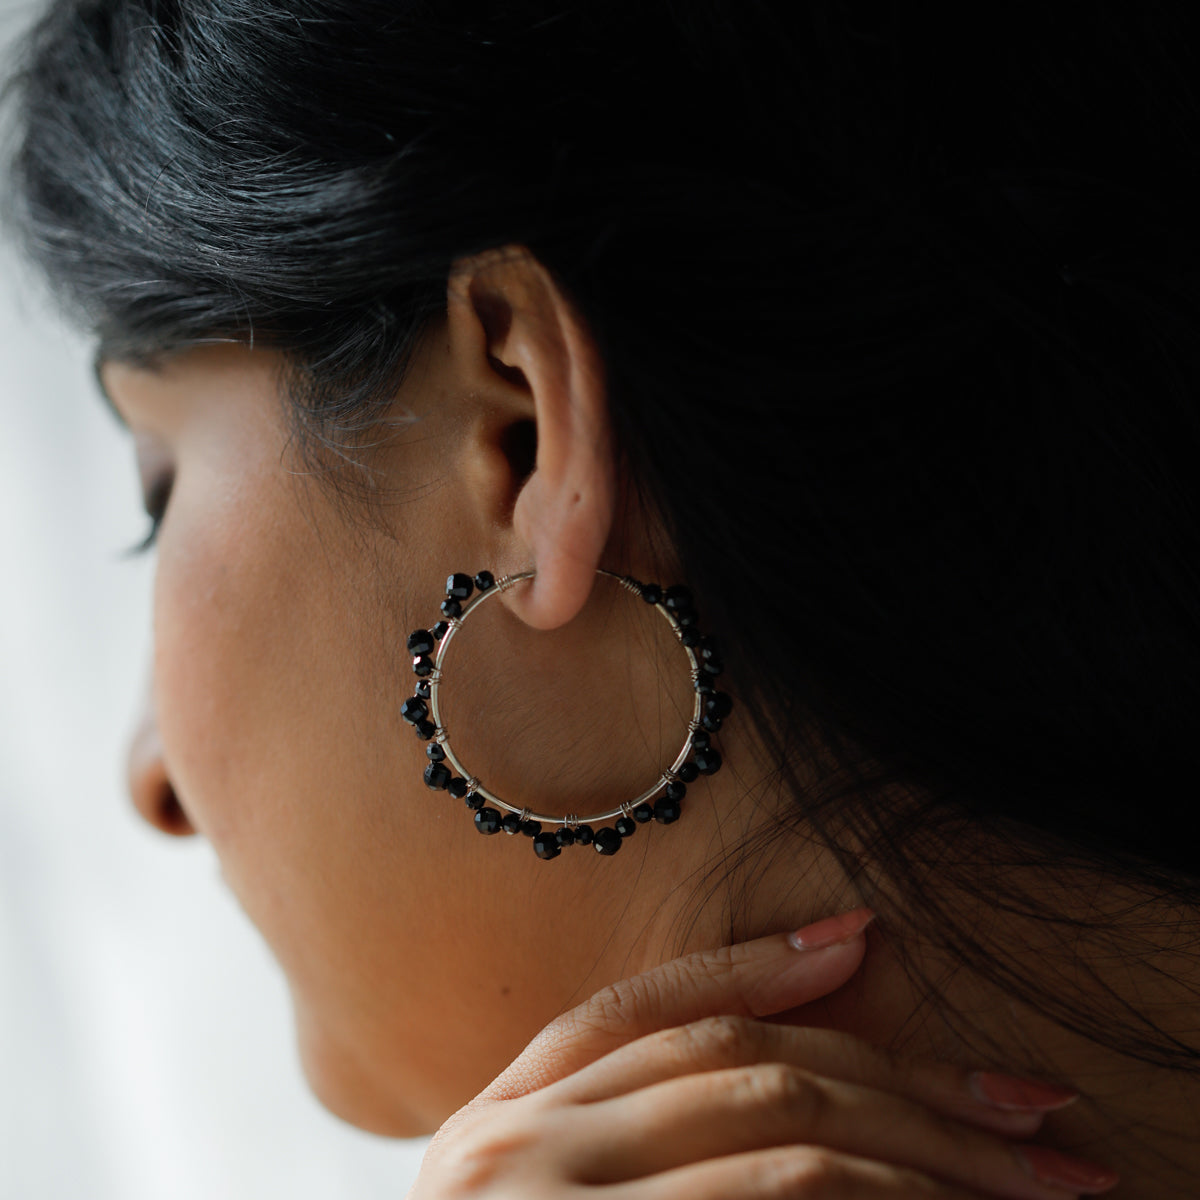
787	1089
483	1157
716	1041
806	1173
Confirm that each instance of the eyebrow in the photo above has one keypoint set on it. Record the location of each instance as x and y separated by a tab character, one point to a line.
98	362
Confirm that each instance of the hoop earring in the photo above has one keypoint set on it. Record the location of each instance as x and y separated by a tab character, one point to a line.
661	803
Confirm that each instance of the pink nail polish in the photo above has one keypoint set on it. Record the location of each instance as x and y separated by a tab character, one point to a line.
1018	1095
832	930
1061	1170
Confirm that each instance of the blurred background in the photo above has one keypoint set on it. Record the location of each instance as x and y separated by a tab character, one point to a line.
146	1045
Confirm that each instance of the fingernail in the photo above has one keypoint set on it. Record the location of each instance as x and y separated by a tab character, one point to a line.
1018	1095
1061	1170
832	930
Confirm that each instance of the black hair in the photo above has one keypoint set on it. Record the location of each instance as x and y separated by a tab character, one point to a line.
899	312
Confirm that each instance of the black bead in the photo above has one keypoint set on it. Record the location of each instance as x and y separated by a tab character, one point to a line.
711	724
705	684
425	730
714	664
531	828
686	618
708	762
708	646
414	710
424	691
651	593
511	823
435	752
473	800
584	835
451	608
437	775
565	836
484	580
607	841
690	636
625	826
687	771
643	813
676	790
667	811
701	739
459	587
458	787
422	665
420	642
440	630
545	845
719	704
487	820
678	598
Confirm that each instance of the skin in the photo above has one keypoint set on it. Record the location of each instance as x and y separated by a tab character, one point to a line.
421	957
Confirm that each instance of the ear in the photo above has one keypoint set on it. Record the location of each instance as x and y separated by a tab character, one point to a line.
511	320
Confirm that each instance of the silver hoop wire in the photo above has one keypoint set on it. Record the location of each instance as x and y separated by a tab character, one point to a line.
572	820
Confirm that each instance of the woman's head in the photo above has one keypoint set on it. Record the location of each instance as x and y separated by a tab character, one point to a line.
881	334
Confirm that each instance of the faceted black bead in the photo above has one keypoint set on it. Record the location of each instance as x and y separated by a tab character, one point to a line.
686	618
719	704
678	598
511	823
708	762
451	608
667	811
425	730
531	828
545	845
565	836
437	775
708	646
459	587
690	636
414	710
651	593
458	787
701	739
484	580
643	813
473	800
607	841
440	630
676	790
487	820
435	752
711	724
420	642
584	835
706	684
714	664
687	771
625	826
424	691
422	665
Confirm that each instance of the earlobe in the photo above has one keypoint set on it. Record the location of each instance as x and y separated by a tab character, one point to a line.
563	514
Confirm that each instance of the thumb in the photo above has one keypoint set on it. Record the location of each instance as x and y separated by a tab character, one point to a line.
752	979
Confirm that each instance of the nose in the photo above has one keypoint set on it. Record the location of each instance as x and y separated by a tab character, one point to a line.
149	784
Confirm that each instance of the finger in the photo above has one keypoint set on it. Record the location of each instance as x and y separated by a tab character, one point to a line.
722	1113
718	1043
790	1173
752	979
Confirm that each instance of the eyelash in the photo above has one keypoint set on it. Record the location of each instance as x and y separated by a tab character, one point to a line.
156	506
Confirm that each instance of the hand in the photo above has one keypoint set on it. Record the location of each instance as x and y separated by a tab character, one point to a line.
665	1086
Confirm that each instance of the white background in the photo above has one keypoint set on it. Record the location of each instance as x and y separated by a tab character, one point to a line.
146	1045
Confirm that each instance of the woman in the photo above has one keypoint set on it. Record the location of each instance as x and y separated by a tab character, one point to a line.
862	350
